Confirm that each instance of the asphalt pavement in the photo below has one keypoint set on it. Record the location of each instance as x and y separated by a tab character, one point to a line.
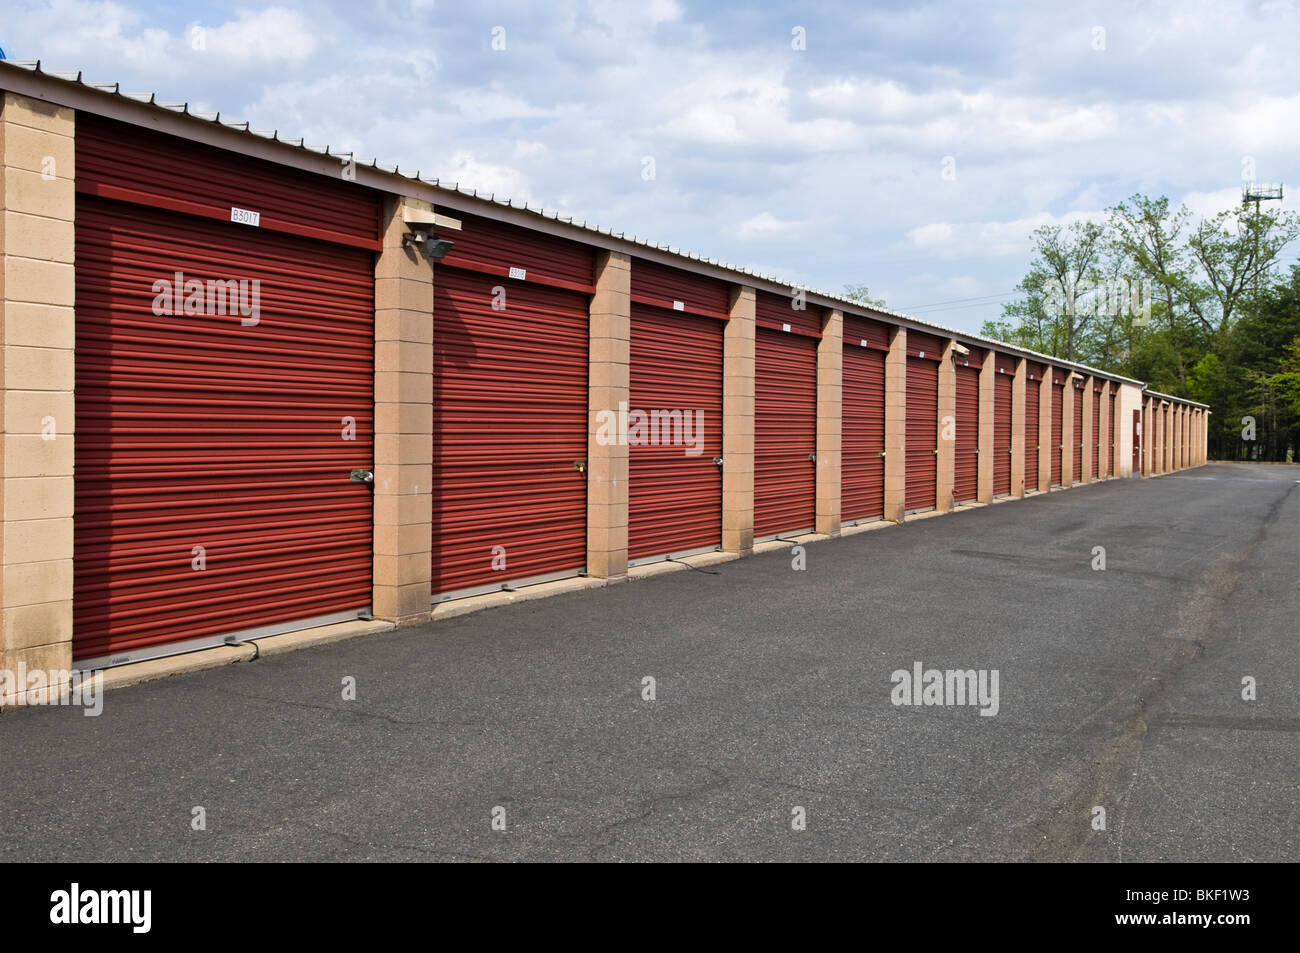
526	733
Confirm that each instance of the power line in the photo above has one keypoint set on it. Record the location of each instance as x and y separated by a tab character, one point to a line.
935	304
960	307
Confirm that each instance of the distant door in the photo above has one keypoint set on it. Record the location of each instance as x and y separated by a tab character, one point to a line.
1137	442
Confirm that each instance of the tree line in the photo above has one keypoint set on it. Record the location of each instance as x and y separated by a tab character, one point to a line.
1202	309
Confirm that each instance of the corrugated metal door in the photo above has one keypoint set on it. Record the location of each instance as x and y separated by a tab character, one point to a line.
1114	426
1136	460
1002	387
1076	458
213	456
1033	380
923	355
785	417
862	488
509	431
1097	448
675	488
225	391
965	478
1058	426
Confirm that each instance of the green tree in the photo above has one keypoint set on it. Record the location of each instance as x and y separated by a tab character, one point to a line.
862	294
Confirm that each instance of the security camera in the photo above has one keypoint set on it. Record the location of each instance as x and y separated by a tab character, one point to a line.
435	248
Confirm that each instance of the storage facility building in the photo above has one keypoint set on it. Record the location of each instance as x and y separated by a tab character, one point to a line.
249	389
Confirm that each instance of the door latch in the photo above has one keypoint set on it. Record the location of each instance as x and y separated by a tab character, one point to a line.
580	466
362	476
812	457
717	461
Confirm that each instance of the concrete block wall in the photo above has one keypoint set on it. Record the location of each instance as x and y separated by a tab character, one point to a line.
1018	429
37	295
403	465
896	426
738	423
1046	446
609	384
830	417
946	459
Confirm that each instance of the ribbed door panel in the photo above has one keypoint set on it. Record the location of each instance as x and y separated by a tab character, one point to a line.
966	450
508	251
197	431
1032	403
922	430
1097	448
677	290
1002	387
785	432
126	162
778	313
1114	426
1076	458
862	491
509	423
675	490
1058	430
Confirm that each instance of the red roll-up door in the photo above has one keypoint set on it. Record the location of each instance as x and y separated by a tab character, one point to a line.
965	479
923	355
225	392
1033	380
1097	447
862	488
509	431
1076	465
1114	426
1002	388
1058	426
213	455
785	432
675	489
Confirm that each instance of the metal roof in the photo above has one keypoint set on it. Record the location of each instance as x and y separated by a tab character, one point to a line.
1172	399
273	135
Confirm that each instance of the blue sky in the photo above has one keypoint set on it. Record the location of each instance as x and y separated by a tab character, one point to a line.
824	165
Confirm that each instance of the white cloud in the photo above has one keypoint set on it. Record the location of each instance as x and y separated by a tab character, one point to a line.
765	225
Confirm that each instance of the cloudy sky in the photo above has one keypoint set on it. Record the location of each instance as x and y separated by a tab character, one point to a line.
908	146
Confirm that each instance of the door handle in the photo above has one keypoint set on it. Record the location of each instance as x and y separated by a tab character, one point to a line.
362	476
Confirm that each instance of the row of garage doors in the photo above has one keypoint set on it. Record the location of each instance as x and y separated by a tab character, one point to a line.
225	402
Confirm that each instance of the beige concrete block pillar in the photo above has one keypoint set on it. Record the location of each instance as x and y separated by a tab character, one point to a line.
609	384
38	335
946	464
1089	438
738	424
1045	445
988	393
1182	437
1148	437
896	426
403	484
830	418
1108	429
1166	442
1018	429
